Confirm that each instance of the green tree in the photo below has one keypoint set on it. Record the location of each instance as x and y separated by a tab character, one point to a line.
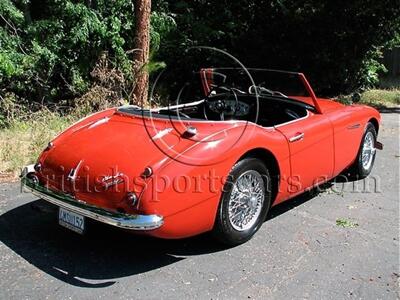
336	43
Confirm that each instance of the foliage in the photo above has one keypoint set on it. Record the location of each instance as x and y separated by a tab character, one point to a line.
336	43
49	48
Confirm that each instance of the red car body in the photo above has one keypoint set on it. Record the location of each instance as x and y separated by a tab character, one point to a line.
105	158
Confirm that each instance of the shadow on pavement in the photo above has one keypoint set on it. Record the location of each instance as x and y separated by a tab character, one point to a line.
389	110
104	253
297	201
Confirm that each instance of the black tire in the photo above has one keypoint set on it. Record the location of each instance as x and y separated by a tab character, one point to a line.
358	170
223	230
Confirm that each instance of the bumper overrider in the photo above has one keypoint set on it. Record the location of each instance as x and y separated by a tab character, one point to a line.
121	220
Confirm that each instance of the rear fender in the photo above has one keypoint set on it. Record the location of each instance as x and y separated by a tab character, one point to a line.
180	190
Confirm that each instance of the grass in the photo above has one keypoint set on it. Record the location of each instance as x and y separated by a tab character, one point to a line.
346	223
22	141
377	98
387	95
381	98
24	134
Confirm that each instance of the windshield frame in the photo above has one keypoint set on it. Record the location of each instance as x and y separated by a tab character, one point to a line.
207	73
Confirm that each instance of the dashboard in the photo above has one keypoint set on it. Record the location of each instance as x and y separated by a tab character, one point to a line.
231	107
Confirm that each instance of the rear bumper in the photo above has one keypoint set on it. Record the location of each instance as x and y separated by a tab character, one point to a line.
125	221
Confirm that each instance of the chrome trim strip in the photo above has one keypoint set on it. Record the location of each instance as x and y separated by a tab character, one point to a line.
354	126
125	221
290	122
184	105
190	121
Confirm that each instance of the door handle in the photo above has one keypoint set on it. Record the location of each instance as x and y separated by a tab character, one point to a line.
299	136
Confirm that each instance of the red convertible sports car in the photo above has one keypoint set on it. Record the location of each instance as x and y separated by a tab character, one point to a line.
214	164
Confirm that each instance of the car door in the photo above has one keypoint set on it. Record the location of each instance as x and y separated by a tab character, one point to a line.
311	148
348	131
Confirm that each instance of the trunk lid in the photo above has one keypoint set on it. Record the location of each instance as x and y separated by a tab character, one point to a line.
101	161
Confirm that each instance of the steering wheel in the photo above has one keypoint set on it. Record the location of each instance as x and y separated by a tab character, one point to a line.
219	105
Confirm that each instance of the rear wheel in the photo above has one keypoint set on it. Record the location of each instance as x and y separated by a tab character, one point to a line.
244	203
362	166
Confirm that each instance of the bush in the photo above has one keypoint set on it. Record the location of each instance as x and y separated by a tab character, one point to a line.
336	43
48	52
48	48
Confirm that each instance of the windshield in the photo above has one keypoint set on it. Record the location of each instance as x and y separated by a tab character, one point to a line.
265	82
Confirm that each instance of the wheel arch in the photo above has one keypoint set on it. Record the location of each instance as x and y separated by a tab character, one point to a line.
270	161
374	122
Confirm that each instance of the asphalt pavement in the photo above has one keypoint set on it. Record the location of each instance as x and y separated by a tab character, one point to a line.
341	243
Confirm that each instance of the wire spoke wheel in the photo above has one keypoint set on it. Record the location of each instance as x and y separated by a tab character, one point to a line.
368	150
362	166
246	200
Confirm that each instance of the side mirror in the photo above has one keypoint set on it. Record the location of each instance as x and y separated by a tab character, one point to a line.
356	97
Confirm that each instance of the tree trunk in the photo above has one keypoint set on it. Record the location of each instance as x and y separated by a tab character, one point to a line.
142	50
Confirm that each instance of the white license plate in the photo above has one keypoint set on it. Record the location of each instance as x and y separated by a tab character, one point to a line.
71	220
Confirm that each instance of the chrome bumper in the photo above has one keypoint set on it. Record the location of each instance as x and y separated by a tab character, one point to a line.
121	220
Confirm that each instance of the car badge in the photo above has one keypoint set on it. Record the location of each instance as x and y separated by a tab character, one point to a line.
111	180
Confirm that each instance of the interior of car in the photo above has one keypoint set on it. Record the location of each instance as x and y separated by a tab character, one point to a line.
272	110
225	94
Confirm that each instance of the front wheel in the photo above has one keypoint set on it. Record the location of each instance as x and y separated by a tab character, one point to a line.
244	203
364	162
